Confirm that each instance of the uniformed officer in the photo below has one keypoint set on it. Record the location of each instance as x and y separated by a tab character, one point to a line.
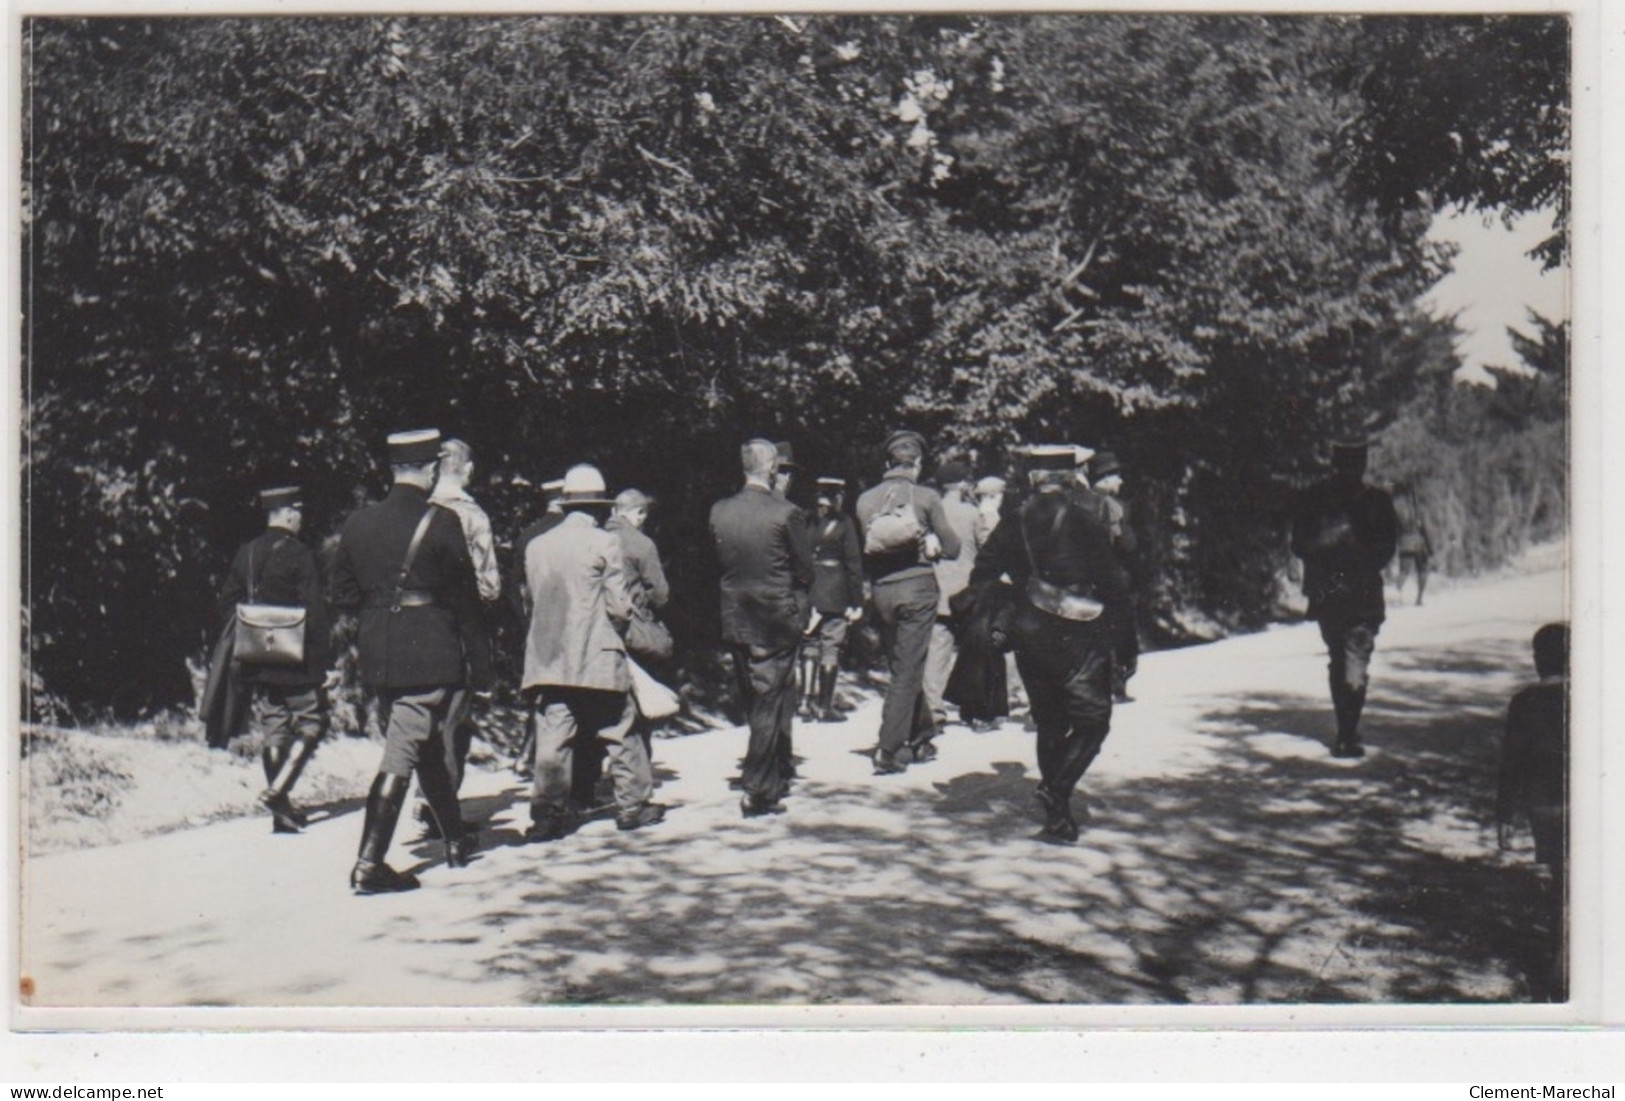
1106	478
276	568
404	564
1071	611
837	598
1345	532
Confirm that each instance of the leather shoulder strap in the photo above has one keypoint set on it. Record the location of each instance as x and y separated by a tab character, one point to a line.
412	547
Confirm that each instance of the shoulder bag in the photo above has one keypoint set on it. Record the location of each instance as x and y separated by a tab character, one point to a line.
1052	598
267	634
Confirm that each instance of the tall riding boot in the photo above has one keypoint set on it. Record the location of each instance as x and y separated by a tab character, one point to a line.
806	688
1347	703
275	797
371	875
826	696
434	779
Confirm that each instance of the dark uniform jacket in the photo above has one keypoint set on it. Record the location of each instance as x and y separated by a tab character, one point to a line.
767	568
431	644
1345	533
837	563
1071	547
284	573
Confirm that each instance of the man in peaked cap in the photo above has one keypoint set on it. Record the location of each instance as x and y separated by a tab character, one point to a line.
275	567
576	670
761	544
837	598
1345	531
404	565
1071	611
905	530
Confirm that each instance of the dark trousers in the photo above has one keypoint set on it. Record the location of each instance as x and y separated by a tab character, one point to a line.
907	610
1349	643
459	734
1069	687
767	688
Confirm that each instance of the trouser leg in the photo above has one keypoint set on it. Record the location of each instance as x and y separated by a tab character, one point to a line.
1088	703
770	709
1048	709
939	666
556	729
628	751
459	735
908	608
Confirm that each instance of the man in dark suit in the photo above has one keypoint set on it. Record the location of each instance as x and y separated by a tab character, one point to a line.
1345	532
762	545
404	564
1070	616
276	568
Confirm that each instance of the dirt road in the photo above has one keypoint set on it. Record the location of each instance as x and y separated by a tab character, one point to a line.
1229	860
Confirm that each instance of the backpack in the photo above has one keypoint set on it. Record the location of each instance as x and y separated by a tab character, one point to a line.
895	527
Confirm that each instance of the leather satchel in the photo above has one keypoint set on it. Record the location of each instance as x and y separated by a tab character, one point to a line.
1049	597
647	637
267	634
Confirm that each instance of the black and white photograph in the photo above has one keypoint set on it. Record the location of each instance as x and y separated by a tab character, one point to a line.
982	510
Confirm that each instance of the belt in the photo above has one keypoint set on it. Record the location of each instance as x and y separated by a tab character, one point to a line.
404	598
836	562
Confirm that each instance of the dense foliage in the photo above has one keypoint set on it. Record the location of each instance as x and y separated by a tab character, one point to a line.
254	246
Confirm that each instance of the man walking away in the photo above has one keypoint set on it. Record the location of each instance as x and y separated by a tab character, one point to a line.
403	563
575	663
276	568
1071	611
837	597
953	574
451	492
1106	474
761	544
1534	778
1345	532
904	531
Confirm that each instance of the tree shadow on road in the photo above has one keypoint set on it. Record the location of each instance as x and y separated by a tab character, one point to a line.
1274	875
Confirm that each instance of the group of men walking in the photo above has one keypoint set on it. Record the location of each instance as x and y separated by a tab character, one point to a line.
956	579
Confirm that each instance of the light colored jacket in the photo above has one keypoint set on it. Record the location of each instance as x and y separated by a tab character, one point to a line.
576	577
953	574
481	545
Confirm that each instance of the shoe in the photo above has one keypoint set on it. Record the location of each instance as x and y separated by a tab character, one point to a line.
888	764
830	715
646	815
754	808
462	850
1061	828
290	820
1122	697
983	726
1348	749
925	751
369	878
551	828
1058	821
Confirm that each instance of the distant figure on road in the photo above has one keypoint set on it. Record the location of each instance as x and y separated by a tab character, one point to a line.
905	530
1070	612
404	564
1415	547
767	567
1345	531
276	568
837	598
575	664
1534	778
